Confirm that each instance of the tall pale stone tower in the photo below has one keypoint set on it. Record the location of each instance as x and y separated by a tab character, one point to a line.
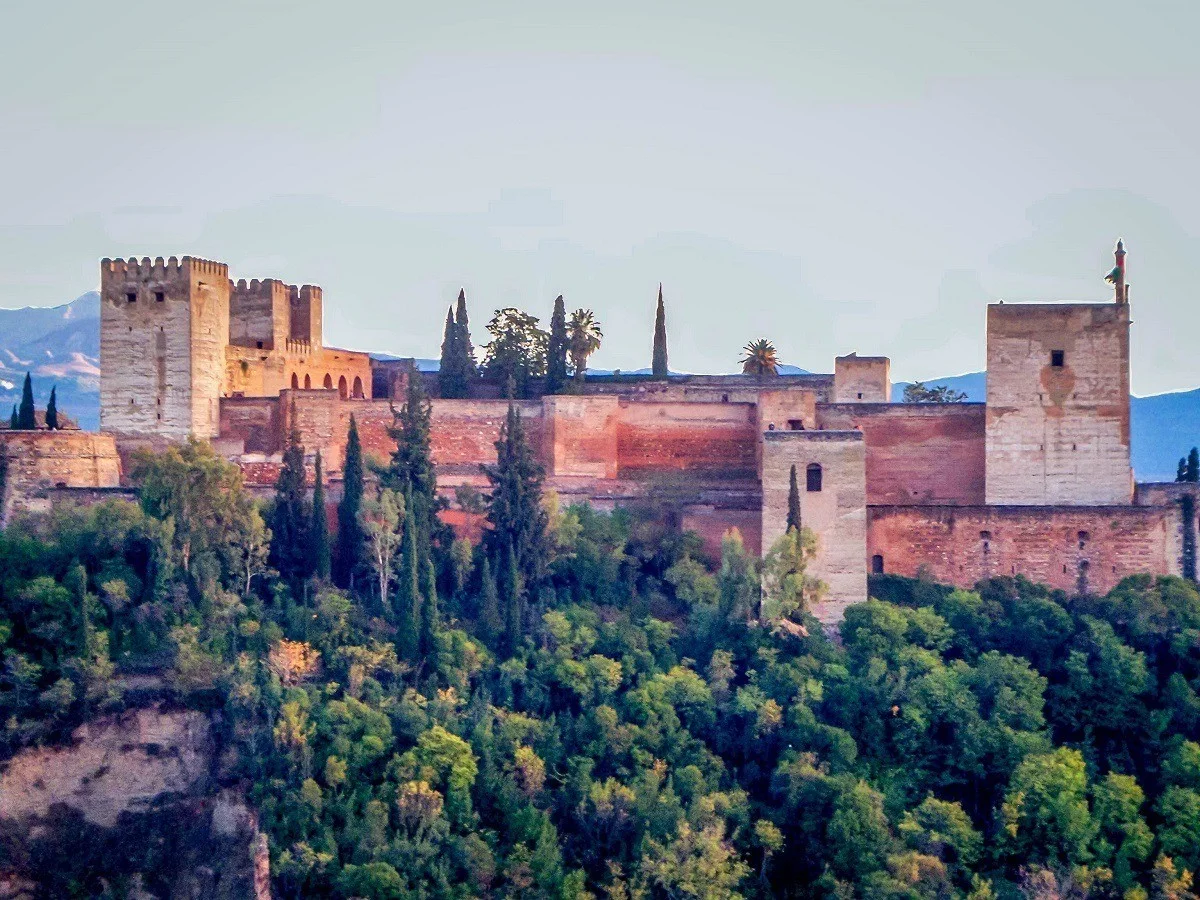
164	327
1058	401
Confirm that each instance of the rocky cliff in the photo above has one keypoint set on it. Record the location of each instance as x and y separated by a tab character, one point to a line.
129	808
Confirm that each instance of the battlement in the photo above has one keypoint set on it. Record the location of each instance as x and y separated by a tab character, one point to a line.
132	268
305	293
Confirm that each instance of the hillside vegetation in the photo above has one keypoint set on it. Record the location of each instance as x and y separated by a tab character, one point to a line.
585	706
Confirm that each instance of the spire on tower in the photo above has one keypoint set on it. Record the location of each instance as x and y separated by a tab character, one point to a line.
1117	276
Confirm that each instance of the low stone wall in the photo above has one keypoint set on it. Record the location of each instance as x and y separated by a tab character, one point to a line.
1064	547
36	462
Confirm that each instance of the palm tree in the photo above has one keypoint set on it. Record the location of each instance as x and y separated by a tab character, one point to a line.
759	358
583	339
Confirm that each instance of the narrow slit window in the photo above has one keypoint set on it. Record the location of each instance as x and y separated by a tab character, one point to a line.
877	564
1057	358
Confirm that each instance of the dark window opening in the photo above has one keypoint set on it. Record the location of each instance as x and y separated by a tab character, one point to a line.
1081	585
131	296
877	564
1083	539
1056	358
159	296
795	424
724	398
813	478
258	344
860	395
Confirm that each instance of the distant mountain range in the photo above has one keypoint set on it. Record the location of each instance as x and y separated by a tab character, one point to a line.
61	346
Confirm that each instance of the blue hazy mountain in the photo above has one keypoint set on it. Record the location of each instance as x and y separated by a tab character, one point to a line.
60	346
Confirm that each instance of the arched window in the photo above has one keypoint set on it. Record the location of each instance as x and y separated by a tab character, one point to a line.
813	475
307	383
877	564
328	382
358	387
295	381
342	387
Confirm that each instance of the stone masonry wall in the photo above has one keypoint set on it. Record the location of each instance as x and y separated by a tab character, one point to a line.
580	435
38	461
836	513
1058	434
163	328
917	453
1053	545
862	379
707	441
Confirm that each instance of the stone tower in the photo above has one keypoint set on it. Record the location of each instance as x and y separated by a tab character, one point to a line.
164	327
1057	428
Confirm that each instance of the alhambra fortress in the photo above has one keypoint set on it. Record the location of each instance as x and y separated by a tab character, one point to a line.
1035	481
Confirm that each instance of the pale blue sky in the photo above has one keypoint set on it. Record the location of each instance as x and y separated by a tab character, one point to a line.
837	177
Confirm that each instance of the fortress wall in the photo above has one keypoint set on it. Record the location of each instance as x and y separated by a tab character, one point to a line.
836	512
257	373
259	314
38	461
917	453
711	523
715	440
580	435
862	379
1058	404
961	545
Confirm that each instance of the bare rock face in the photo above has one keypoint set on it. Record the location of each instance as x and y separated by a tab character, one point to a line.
130	806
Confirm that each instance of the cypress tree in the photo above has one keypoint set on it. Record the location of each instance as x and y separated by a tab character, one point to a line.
408	597
556	352
466	351
319	529
1181	469
411	469
52	409
489	625
290	514
450	375
14	423
514	630
430	618
793	512
26	418
1193	465
349	536
515	513
658	365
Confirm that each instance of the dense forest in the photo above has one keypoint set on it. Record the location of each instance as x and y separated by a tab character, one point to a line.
585	705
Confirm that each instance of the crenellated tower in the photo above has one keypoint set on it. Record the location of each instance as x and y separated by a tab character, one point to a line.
164	327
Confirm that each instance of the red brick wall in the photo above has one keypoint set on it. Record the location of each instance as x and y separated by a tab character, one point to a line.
711	440
464	432
1041	543
711	524
921	454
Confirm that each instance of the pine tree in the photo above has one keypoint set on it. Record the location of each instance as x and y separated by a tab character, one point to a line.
14	423
466	351
430	617
1193	466
52	409
408	597
658	365
318	532
290	514
26	418
451	380
489	625
514	629
349	535
793	513
515	512
556	352
411	468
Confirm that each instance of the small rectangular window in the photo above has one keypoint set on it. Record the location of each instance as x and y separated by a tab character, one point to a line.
1056	358
131	296
159	296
